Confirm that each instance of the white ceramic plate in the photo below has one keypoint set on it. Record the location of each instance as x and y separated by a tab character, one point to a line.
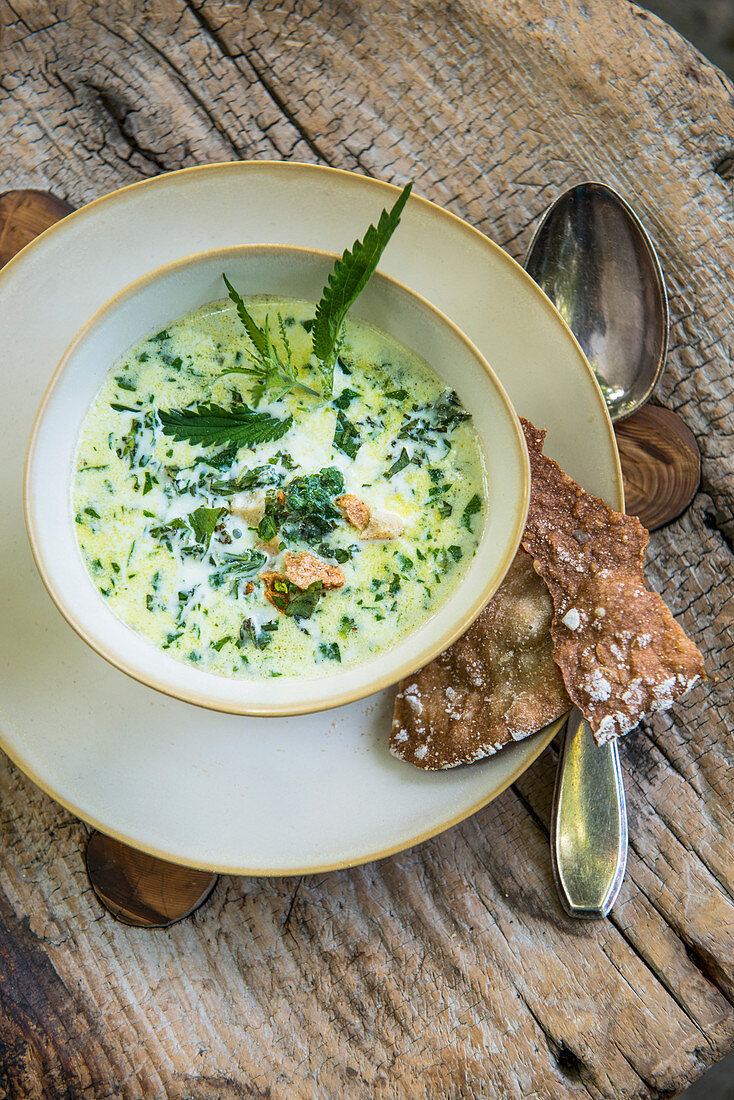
251	796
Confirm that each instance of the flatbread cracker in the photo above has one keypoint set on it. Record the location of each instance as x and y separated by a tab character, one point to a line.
622	655
498	683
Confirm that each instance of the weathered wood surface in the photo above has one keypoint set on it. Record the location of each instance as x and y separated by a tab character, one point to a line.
661	465
448	971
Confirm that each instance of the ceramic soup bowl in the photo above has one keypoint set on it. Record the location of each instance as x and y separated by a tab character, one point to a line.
149	305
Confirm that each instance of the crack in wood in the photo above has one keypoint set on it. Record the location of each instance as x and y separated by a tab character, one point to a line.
189	90
284	926
716	523
119	112
267	85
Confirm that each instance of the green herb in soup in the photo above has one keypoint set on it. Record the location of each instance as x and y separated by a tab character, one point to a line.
265	488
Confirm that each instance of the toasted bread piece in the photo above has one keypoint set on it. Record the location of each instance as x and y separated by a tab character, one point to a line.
498	683
304	568
622	655
383	525
354	510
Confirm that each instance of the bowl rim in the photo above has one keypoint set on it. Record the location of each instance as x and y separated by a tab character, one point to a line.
197	697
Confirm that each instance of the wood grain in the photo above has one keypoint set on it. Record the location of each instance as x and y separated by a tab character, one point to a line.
140	890
661	465
25	214
448	971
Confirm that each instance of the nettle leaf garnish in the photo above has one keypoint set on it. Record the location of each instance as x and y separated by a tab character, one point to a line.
212	424
272	368
350	276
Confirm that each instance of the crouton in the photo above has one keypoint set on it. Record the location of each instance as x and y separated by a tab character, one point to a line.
354	510
249	507
383	525
274	584
271	547
303	569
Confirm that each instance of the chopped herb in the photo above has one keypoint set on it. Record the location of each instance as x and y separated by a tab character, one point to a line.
259	477
148	483
474	506
267	528
449	412
120	409
202	522
308	512
399	464
90	511
237	567
344	399
303	605
259	634
442	417
330	651
340	553
219	645
346	436
444	509
212	424
124	383
397	395
221	460
347	626
456	552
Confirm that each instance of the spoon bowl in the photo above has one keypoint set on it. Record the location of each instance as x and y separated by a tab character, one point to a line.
593	259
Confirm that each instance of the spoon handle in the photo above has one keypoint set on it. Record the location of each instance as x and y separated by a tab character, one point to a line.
589	823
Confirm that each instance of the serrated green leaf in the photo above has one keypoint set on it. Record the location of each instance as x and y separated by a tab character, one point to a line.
256	334
212	424
350	276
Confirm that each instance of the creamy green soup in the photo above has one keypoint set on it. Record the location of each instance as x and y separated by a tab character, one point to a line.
288	557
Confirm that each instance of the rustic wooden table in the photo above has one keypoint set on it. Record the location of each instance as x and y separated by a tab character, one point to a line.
448	971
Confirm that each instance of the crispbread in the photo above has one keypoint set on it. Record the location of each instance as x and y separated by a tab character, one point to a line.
621	652
496	684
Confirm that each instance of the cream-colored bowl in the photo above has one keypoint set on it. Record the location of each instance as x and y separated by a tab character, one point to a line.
152	302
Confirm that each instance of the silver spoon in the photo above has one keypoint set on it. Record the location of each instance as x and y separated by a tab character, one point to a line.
594	260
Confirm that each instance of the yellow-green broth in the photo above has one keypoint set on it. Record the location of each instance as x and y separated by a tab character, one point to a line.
136	488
